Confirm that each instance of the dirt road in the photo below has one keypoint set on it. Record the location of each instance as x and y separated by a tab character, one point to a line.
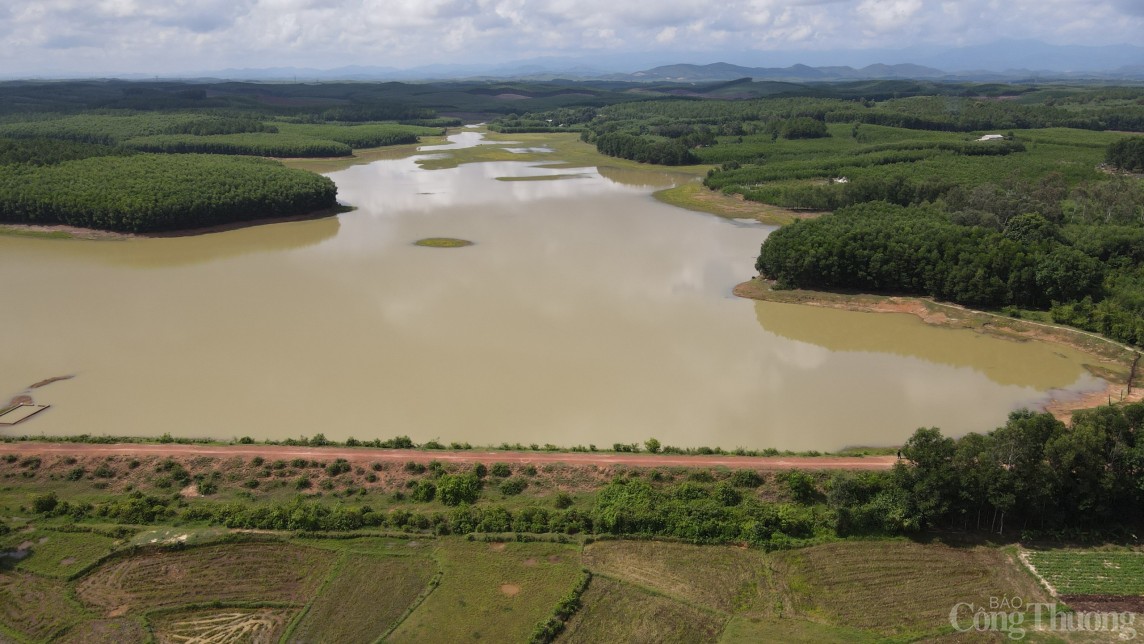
369	455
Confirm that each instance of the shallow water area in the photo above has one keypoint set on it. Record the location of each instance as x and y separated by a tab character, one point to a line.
586	312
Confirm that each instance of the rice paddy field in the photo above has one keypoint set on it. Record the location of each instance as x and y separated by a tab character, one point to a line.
225	586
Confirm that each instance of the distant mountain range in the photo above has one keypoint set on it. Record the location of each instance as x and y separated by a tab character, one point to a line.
1006	60
726	71
684	73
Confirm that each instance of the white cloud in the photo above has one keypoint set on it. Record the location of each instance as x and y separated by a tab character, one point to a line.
156	36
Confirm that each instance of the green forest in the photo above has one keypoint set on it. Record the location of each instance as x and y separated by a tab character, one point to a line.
152	168
1020	198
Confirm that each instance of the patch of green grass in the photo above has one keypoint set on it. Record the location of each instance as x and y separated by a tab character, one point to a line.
228	573
185	536
897	588
34	607
493	592
790	631
614	611
694	196
567	151
365	597
1091	572
362	156
729	580
62	554
443	242
106	631
11	231
381	546
546	177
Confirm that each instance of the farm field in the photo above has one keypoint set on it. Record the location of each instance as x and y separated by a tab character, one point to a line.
498	591
355	582
897	588
1081	572
372	588
615	611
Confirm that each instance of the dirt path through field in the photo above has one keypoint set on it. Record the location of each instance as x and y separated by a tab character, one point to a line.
368	455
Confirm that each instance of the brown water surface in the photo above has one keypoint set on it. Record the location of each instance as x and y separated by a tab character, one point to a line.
585	312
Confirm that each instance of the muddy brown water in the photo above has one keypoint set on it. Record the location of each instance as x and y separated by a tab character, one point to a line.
585	313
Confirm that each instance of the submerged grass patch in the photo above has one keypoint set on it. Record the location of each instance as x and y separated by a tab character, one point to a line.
694	196
12	231
443	242
545	177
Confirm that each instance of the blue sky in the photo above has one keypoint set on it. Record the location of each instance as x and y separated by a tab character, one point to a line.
176	36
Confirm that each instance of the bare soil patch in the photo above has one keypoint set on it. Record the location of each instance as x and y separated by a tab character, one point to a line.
510	590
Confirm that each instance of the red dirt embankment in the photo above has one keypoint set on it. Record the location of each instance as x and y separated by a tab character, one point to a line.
369	455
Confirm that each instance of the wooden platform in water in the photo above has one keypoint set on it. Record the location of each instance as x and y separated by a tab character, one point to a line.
20	413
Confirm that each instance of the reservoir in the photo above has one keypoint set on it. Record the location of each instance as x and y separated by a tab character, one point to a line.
585	312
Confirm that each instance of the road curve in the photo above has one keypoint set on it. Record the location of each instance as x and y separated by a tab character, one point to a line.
368	455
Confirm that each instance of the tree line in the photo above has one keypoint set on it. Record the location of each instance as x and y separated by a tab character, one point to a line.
154	192
1033	477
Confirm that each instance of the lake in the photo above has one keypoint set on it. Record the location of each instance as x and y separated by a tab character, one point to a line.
585	312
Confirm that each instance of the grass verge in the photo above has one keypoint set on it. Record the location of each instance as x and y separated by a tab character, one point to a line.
497	591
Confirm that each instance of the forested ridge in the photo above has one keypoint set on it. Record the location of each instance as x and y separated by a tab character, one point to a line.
86	169
1040	215
155	192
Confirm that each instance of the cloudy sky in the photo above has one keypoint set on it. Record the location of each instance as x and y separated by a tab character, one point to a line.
173	36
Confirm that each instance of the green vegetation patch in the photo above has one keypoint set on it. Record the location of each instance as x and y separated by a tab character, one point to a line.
756	630
498	591
365	597
443	242
242	572
694	196
62	554
10	231
224	625
153	192
247	143
1091	572
898	587
614	611
364	135
730	579
34	607
546	177
106	631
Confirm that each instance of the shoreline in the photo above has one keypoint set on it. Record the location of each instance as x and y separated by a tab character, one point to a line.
65	231
1060	405
368	454
695	197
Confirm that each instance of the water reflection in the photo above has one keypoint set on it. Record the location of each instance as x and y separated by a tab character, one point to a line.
587	312
183	251
1009	362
